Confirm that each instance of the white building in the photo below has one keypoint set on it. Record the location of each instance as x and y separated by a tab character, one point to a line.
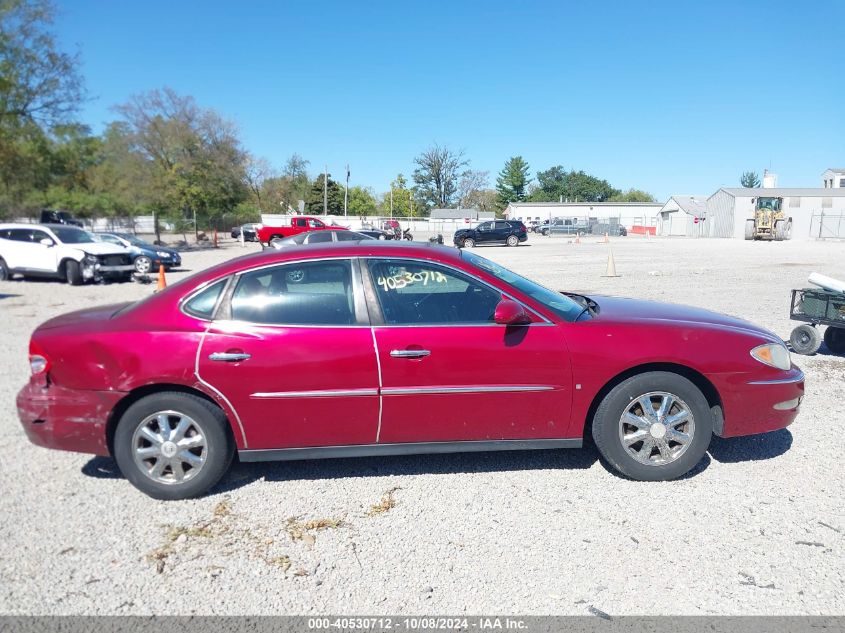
726	212
682	216
833	178
628	213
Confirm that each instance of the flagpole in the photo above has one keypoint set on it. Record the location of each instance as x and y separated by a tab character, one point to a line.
346	193
326	191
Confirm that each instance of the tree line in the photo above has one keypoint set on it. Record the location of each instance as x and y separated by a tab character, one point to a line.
165	155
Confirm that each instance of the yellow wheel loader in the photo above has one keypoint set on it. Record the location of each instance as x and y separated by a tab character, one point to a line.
769	222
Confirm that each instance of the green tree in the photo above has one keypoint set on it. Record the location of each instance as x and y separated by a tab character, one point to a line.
556	183
314	201
749	179
196	159
633	195
436	176
40	89
471	187
401	195
39	82
361	201
512	183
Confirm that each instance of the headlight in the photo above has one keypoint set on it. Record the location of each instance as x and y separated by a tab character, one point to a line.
90	259
162	254
773	355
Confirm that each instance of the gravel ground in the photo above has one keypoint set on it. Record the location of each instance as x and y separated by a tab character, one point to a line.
757	528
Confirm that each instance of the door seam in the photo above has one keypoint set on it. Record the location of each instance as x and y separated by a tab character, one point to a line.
380	396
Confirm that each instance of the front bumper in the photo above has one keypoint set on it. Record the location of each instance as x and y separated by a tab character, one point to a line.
760	406
94	271
66	419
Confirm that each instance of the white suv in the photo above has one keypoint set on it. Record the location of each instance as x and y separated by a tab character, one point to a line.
56	250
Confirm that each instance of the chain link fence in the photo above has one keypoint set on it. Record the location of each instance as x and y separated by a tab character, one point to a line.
827	225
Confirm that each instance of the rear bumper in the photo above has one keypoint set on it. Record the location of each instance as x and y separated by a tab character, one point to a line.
760	406
66	419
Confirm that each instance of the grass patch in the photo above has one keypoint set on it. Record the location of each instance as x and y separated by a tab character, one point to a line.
388	502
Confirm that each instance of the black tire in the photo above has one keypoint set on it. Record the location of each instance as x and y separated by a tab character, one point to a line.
545	232
512	240
805	339
143	264
750	229
5	274
73	274
834	338
607	424
468	242
210	420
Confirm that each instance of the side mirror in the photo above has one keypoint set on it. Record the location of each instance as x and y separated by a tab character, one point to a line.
47	241
511	313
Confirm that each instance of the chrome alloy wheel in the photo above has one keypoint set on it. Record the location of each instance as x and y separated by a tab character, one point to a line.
656	428
169	447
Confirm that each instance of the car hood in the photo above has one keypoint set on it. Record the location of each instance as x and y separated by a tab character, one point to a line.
99	248
83	317
622	309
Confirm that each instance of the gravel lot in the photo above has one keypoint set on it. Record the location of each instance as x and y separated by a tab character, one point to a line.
758	528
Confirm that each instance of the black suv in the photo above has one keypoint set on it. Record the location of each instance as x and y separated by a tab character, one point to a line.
49	216
510	232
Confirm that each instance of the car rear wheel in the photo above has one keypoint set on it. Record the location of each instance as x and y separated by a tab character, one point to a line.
4	271
173	445
512	240
834	338
143	264
468	242
653	427
805	339
73	274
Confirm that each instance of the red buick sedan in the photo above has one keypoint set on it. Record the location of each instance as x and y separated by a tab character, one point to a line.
378	348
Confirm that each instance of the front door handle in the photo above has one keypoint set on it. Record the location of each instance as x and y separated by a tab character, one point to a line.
229	357
410	353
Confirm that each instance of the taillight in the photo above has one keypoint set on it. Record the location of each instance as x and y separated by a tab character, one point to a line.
39	362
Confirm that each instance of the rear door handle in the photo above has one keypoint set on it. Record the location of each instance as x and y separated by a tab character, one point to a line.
229	357
410	353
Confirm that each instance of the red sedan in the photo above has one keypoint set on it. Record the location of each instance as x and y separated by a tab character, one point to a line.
375	348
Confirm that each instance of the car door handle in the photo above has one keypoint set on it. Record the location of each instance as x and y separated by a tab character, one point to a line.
410	353
229	357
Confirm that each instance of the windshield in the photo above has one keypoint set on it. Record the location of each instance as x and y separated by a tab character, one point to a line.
135	241
560	304
69	235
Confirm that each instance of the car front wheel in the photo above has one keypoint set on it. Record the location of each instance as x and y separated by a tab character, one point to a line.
468	242
143	264
654	426
73	273
4	270
173	445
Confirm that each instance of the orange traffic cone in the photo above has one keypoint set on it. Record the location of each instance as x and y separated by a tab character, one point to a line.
162	282
578	238
606	238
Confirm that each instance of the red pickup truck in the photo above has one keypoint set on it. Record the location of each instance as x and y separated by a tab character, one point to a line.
291	226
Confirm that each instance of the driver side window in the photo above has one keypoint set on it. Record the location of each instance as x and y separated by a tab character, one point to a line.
420	293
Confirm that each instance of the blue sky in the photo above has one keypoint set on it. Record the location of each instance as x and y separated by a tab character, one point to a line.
671	97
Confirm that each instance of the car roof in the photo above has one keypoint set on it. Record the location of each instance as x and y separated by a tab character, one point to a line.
37	225
358	248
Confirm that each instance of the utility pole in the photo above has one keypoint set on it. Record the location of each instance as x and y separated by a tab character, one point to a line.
391	200
346	193
326	191
411	202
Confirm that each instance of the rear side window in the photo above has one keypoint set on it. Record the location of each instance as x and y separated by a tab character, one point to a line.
306	293
202	305
347	236
321	236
